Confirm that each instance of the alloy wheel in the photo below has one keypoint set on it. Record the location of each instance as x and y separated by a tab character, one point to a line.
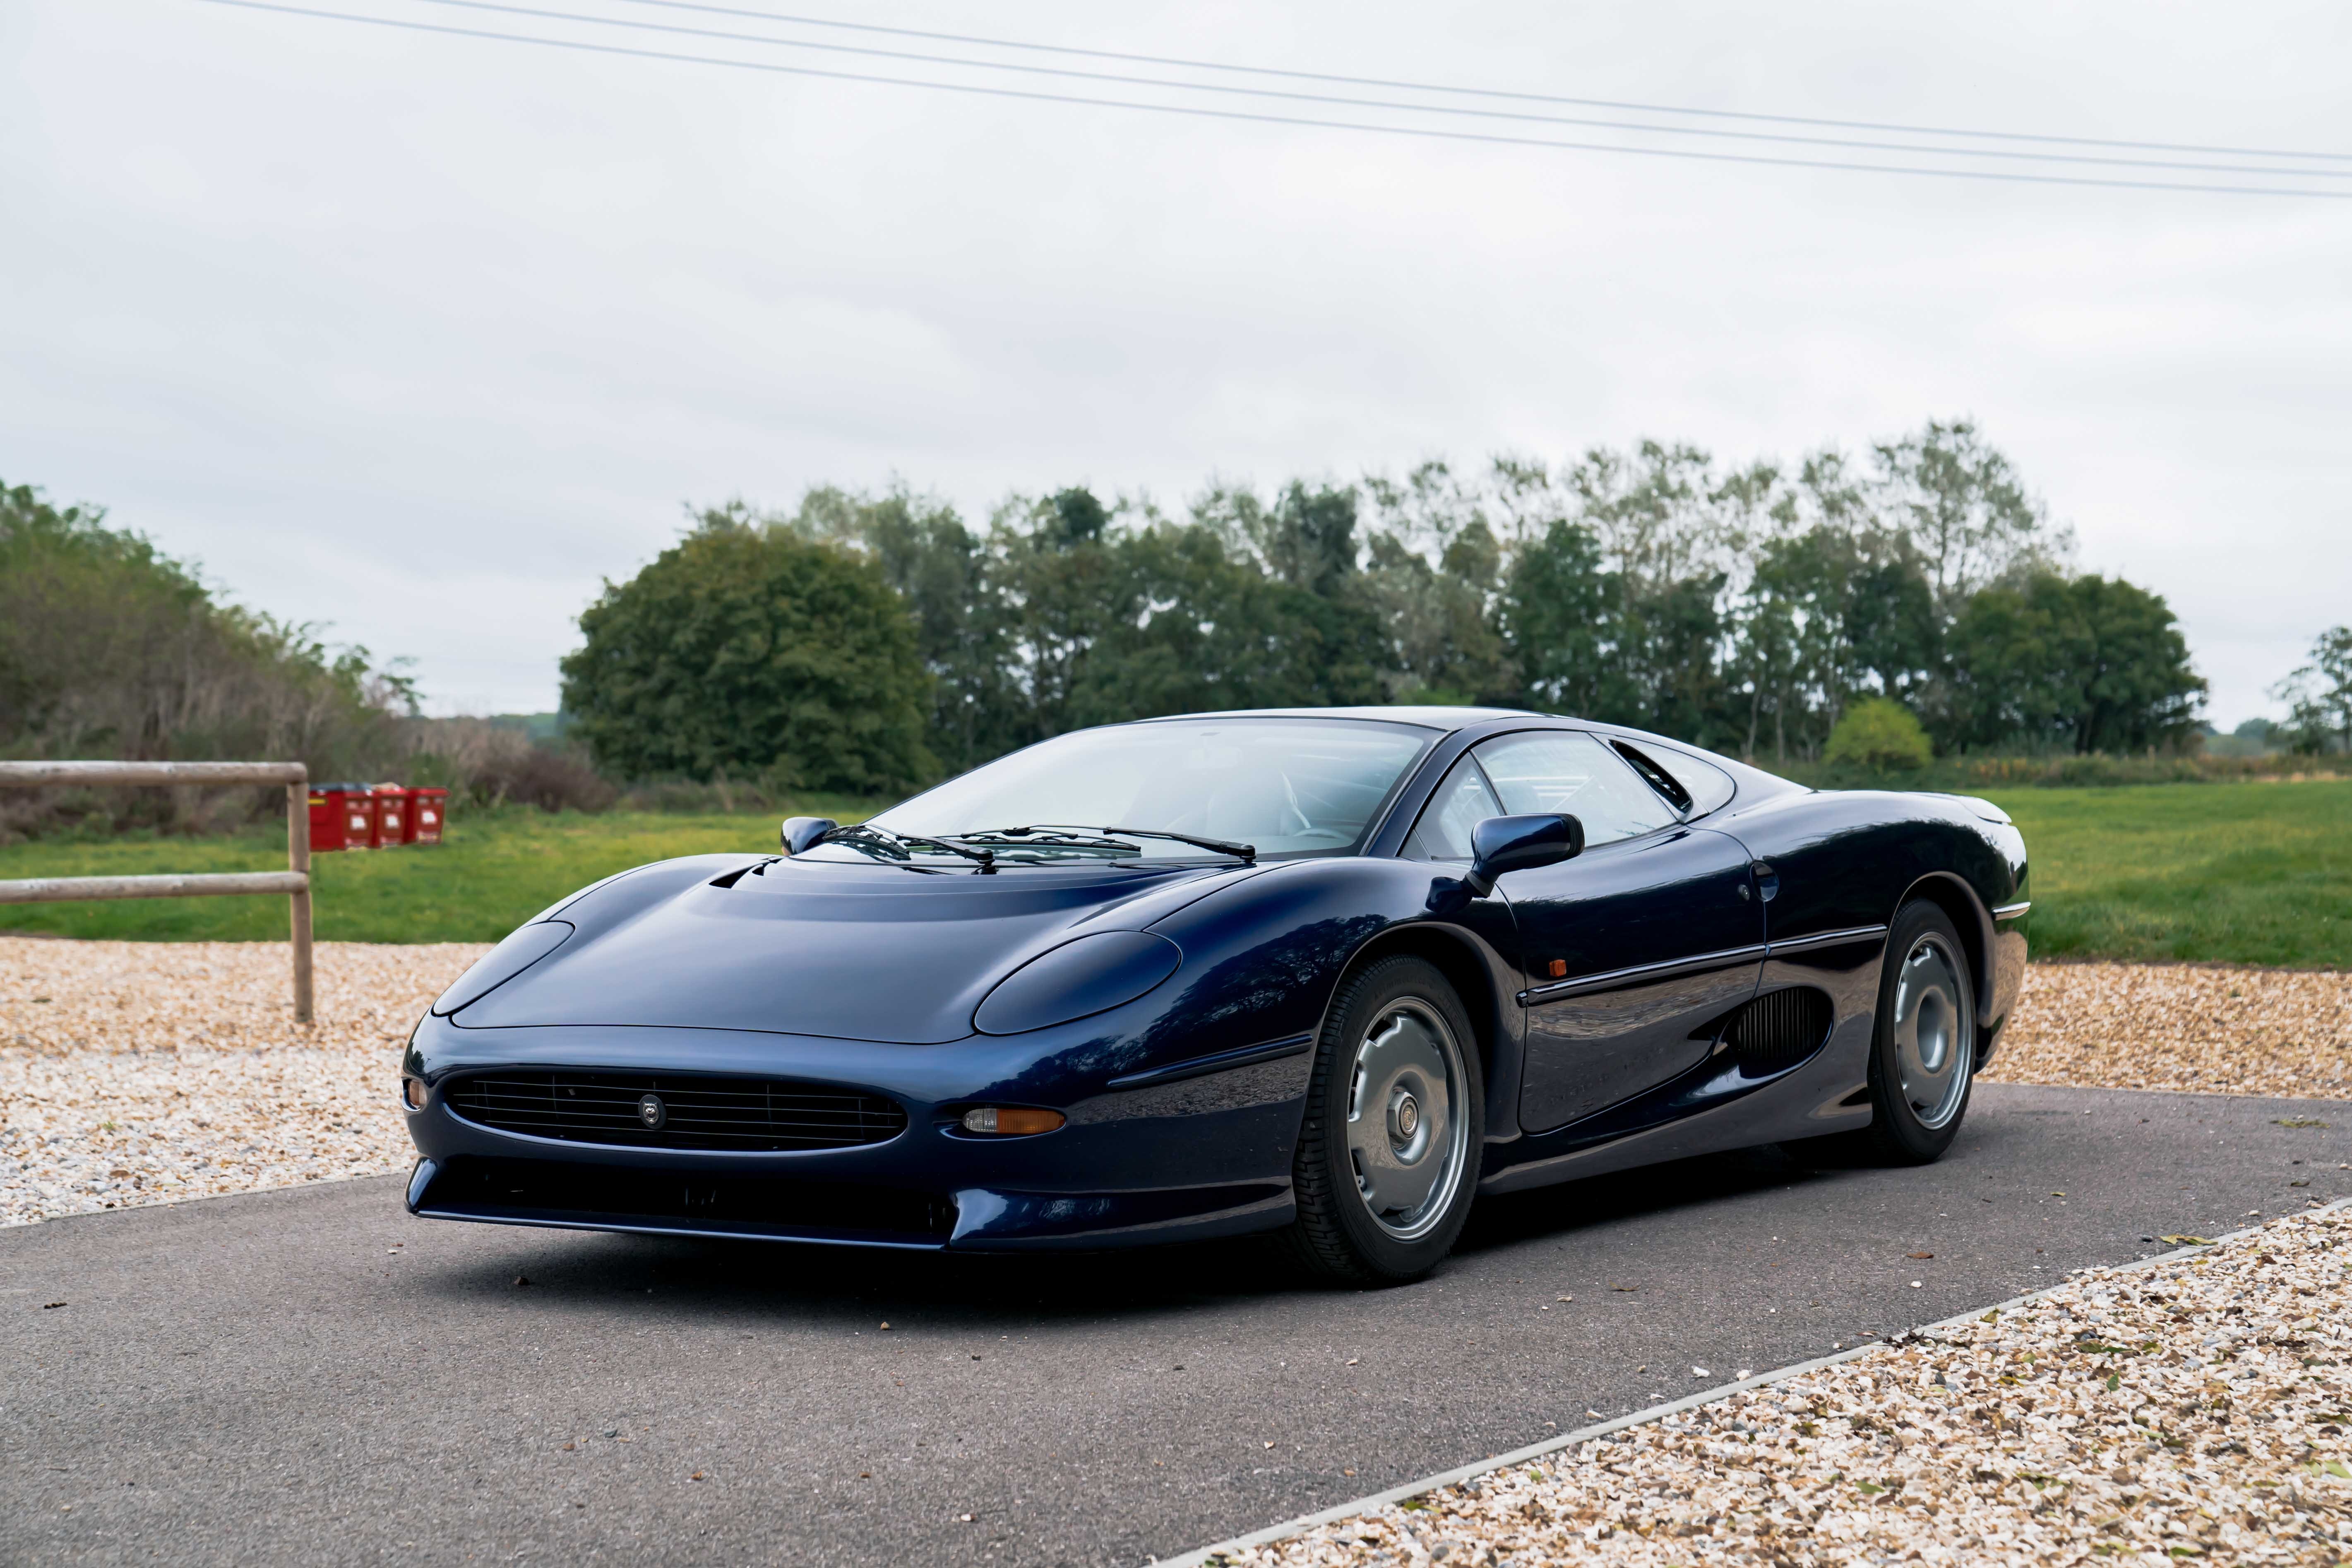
1407	1141
1934	1032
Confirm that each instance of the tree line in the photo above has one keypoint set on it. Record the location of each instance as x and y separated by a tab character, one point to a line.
109	647
870	642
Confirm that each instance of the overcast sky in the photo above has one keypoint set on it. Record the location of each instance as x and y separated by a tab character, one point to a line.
426	336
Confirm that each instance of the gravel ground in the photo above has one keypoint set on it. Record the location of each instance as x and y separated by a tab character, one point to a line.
138	1072
2199	1028
141	1072
2196	1408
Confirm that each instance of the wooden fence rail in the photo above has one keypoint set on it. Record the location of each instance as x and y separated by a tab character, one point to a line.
294	881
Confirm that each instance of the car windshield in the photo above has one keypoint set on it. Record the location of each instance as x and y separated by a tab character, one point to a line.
1287	787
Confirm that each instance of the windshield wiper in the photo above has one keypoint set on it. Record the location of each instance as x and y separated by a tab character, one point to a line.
1045	838
1075	836
1245	852
864	835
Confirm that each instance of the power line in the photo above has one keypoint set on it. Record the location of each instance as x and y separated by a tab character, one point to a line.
1196	111
1374	103
1489	91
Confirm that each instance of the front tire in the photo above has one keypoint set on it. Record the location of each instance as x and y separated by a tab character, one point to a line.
1388	1155
1923	1059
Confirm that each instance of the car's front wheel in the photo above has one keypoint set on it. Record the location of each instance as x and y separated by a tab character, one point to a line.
1386	1158
1923	1062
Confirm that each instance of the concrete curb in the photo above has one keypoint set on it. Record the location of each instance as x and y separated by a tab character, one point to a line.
1204	1556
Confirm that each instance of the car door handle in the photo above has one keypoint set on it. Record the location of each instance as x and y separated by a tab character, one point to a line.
1767	880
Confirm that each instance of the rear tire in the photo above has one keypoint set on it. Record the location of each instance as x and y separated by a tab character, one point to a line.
1388	1154
1923	1058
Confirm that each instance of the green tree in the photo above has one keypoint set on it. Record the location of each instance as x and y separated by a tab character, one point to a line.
2086	664
1669	532
2319	696
1557	615
1433	566
1893	635
755	651
946	574
1307	537
1963	508
1211	629
1061	587
1440	645
1790	634
1829	614
111	649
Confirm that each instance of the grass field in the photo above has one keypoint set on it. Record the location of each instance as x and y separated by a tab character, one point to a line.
497	869
2242	873
2238	873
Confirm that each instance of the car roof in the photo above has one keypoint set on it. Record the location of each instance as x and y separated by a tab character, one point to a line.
1751	782
1426	717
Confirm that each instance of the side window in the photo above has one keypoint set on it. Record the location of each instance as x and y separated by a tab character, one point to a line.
1567	770
1461	804
1711	788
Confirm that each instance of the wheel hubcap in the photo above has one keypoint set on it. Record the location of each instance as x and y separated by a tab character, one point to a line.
1404	1119
1934	1032
1406	1142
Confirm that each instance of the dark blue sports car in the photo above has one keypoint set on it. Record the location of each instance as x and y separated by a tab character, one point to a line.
1330	972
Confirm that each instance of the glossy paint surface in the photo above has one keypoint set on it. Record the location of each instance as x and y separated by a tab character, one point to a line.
875	951
1183	1098
1606	1030
1086	974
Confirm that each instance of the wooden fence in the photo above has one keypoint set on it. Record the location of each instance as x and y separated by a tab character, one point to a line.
294	881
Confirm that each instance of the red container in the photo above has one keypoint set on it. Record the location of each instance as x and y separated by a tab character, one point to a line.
342	816
427	808
391	815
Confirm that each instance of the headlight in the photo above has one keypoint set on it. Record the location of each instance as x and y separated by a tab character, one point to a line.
1092	974
502	963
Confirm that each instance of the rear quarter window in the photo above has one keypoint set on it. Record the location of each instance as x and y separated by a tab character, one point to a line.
1711	788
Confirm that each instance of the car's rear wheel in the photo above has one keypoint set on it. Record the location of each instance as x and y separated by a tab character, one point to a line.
1923	1060
1387	1160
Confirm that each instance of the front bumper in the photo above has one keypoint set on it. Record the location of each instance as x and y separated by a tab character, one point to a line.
1200	1157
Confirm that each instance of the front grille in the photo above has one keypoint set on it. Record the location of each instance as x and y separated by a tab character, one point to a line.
754	1115
1779	1029
472	1187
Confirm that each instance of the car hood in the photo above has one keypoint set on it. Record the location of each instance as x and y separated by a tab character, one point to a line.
807	947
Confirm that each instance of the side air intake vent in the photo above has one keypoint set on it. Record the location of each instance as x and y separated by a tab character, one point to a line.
1779	1029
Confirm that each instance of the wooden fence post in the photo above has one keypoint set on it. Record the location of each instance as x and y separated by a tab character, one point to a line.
297	860
294	881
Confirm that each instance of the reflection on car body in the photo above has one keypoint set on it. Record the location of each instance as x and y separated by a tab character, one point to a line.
1325	972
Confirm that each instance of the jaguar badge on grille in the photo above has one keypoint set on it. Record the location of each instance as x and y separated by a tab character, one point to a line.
651	1111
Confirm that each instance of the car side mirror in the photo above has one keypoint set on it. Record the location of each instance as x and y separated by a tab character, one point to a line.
800	831
1502	843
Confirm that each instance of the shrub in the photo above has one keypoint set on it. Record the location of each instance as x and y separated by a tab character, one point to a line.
1880	733
491	764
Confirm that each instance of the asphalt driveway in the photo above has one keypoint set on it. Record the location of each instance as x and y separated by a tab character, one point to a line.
312	1376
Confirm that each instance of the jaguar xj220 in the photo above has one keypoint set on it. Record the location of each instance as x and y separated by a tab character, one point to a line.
1331	973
